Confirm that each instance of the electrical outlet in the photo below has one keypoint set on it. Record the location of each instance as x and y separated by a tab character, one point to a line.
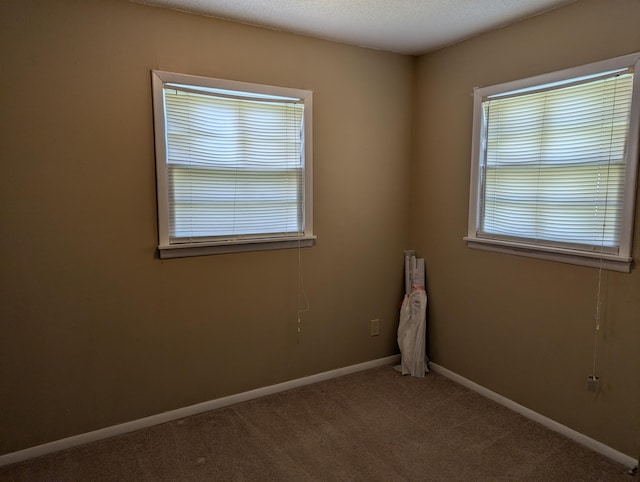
375	327
592	383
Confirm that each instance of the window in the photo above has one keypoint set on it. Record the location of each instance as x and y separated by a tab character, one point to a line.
233	165
554	165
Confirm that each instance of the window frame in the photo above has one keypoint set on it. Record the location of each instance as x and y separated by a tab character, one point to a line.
621	261
254	243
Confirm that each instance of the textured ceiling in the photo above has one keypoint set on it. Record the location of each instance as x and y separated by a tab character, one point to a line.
404	26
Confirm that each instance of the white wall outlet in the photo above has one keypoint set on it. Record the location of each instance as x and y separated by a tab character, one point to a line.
375	327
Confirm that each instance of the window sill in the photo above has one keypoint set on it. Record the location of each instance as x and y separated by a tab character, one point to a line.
204	249
593	260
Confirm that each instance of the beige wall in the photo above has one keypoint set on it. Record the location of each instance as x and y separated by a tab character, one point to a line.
96	330
523	327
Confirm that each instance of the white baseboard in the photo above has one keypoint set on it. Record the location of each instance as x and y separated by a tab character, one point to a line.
103	433
541	419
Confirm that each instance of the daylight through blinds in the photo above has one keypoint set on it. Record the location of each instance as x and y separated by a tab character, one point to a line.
235	166
553	164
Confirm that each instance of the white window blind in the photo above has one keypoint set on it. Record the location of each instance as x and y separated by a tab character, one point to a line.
554	163
233	164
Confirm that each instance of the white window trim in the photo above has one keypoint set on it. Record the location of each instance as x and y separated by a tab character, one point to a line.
621	262
167	250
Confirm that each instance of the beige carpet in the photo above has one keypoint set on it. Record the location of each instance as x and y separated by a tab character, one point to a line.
370	426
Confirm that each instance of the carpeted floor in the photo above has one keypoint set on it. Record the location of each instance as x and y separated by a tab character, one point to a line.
370	426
